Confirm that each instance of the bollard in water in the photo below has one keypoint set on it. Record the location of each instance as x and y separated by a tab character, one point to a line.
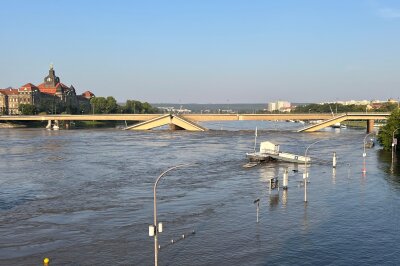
285	179
257	201
46	262
334	160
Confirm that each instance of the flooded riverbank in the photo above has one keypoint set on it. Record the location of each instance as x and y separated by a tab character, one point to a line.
85	197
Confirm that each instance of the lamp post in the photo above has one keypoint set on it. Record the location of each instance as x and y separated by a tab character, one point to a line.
155	228
257	201
394	142
305	172
364	153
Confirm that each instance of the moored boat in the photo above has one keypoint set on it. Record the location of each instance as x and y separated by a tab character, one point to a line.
270	152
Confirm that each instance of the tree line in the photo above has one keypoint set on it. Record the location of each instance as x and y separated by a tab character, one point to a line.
390	130
97	105
341	108
109	105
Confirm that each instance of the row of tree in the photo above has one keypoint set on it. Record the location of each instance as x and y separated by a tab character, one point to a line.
101	105
97	105
341	108
49	107
390	130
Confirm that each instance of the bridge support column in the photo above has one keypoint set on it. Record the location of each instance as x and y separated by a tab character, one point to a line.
67	124
48	124
370	125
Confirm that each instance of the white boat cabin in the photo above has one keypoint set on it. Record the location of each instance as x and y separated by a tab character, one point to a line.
269	147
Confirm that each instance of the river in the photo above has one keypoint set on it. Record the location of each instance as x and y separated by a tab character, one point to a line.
84	197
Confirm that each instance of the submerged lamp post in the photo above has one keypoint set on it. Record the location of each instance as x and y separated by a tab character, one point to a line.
155	228
305	175
364	153
257	201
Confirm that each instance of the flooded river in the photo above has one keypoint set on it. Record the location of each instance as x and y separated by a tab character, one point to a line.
84	197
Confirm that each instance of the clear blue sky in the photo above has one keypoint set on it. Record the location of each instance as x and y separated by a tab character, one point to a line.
206	51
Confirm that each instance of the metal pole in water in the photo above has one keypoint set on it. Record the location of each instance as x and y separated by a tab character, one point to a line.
285	179
155	228
255	140
334	160
257	201
305	175
364	170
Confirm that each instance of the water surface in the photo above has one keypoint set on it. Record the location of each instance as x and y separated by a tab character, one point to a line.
85	197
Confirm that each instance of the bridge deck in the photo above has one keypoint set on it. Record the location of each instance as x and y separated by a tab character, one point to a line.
344	117
192	117
188	118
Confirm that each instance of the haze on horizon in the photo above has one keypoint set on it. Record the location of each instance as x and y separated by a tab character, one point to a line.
206	51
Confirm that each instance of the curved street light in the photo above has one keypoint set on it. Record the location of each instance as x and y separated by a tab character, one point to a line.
305	165
155	228
364	153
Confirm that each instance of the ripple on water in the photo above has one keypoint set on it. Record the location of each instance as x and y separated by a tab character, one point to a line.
87	196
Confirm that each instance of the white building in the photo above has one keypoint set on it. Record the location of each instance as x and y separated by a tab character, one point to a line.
281	106
271	107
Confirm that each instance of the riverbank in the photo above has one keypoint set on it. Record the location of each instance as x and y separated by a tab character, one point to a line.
11	125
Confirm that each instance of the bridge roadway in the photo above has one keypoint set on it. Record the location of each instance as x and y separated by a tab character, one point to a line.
145	117
187	121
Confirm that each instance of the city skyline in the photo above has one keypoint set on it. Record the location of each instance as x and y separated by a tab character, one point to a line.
207	51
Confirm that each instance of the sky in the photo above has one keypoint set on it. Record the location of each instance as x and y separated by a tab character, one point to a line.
206	51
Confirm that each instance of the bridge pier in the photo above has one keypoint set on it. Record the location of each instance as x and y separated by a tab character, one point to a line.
48	124
370	125
175	127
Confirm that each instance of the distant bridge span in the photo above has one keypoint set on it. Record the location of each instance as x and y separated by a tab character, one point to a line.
186	121
370	117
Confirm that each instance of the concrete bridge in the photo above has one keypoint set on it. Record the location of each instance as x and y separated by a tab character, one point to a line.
189	121
369	117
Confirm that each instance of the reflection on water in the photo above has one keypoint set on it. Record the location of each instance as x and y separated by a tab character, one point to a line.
85	197
284	197
334	176
274	200
389	166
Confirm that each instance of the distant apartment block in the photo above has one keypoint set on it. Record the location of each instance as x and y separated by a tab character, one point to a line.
281	106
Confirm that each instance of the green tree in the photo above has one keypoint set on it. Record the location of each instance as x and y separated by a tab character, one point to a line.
27	109
387	107
99	105
328	108
84	108
111	105
132	107
386	132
